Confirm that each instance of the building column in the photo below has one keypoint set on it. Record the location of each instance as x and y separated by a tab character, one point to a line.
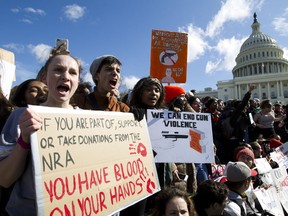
281	88
259	91
270	67
268	91
277	68
235	91
239	92
278	91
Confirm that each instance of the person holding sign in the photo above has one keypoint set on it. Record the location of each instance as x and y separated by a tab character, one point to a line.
176	101
62	73
148	93
31	92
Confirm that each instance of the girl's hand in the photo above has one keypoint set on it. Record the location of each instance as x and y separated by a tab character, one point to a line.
29	122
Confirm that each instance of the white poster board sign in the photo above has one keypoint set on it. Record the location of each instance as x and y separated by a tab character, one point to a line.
280	155
262	165
269	200
7	76
182	137
283	197
91	162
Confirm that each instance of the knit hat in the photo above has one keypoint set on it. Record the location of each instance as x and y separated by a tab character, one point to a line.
245	151
96	63
239	171
171	92
274	143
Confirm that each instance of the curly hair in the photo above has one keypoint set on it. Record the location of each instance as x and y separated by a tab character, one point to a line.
210	192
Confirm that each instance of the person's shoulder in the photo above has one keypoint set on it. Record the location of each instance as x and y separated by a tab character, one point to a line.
116	105
257	114
123	107
232	209
10	132
15	114
79	100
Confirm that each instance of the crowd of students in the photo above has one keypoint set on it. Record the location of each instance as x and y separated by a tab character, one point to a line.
259	123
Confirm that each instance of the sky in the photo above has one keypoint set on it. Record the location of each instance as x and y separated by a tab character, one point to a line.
216	30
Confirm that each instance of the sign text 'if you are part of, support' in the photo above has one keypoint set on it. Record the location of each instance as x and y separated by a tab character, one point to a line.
181	136
91	162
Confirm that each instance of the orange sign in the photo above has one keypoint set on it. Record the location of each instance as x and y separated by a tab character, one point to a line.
169	56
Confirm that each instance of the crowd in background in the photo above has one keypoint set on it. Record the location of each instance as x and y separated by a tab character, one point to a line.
257	128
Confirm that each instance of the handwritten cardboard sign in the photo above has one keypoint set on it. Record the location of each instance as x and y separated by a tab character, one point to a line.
169	56
181	137
91	162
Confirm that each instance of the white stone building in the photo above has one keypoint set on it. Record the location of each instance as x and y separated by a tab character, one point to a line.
260	61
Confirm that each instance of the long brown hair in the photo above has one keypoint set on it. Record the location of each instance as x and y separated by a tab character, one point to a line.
166	195
5	109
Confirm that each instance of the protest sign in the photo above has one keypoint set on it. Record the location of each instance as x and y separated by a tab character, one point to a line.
269	200
283	197
7	71
262	165
169	56
182	137
91	162
278	175
280	155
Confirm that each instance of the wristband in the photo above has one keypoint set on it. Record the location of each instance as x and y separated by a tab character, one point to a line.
23	144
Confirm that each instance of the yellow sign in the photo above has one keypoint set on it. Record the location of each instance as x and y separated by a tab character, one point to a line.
169	56
91	162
